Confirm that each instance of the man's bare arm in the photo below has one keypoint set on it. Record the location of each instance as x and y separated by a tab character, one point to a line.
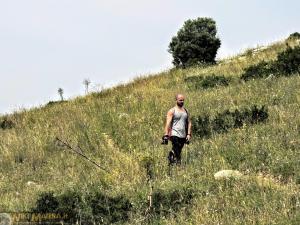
168	121
190	127
189	132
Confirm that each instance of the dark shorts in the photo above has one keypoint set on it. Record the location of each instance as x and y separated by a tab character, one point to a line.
177	145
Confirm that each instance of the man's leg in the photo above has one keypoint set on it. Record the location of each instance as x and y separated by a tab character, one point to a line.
177	145
171	156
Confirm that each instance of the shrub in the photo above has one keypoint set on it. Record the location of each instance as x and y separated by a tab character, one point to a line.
260	70
195	43
7	124
148	163
234	157
193	82
107	210
193	79
212	81
258	115
71	204
19	157
285	170
288	62
295	35
94	208
167	201
50	103
46	203
204	126
201	126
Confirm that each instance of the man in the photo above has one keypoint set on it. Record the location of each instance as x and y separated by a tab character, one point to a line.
178	129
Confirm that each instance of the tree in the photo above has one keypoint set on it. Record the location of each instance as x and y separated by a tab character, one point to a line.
61	92
195	43
86	83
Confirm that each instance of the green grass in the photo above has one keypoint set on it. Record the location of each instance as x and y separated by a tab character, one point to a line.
121	128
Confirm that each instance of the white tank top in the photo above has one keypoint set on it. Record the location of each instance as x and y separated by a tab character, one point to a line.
178	125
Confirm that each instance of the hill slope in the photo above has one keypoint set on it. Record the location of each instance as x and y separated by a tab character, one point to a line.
120	128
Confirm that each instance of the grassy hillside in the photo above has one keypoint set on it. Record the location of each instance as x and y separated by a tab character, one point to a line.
120	128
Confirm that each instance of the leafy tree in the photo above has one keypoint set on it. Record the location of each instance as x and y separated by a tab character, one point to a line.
195	43
86	83
61	92
295	35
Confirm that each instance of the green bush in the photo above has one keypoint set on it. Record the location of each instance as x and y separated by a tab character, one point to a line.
197	82
285	170
46	203
107	210
51	103
71	204
201	126
193	79
95	207
148	163
168	201
7	124
213	81
204	126
234	157
260	70
294	35
288	62
195	43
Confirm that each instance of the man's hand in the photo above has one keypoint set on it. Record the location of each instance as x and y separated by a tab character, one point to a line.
165	139
188	138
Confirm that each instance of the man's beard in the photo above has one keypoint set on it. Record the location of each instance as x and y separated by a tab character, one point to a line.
180	104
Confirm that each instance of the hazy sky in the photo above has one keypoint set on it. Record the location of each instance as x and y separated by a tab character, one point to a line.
47	44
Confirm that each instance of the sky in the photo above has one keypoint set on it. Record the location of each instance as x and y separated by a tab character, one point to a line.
51	44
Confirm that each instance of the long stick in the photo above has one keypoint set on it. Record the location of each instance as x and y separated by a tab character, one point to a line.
79	153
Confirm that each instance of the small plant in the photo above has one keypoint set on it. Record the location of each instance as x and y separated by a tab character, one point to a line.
285	170
61	92
7	124
20	157
258	114
148	164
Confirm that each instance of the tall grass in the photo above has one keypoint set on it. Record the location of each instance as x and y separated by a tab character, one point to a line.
120	128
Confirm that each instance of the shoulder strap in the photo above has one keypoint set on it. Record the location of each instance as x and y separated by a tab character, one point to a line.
186	112
187	121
